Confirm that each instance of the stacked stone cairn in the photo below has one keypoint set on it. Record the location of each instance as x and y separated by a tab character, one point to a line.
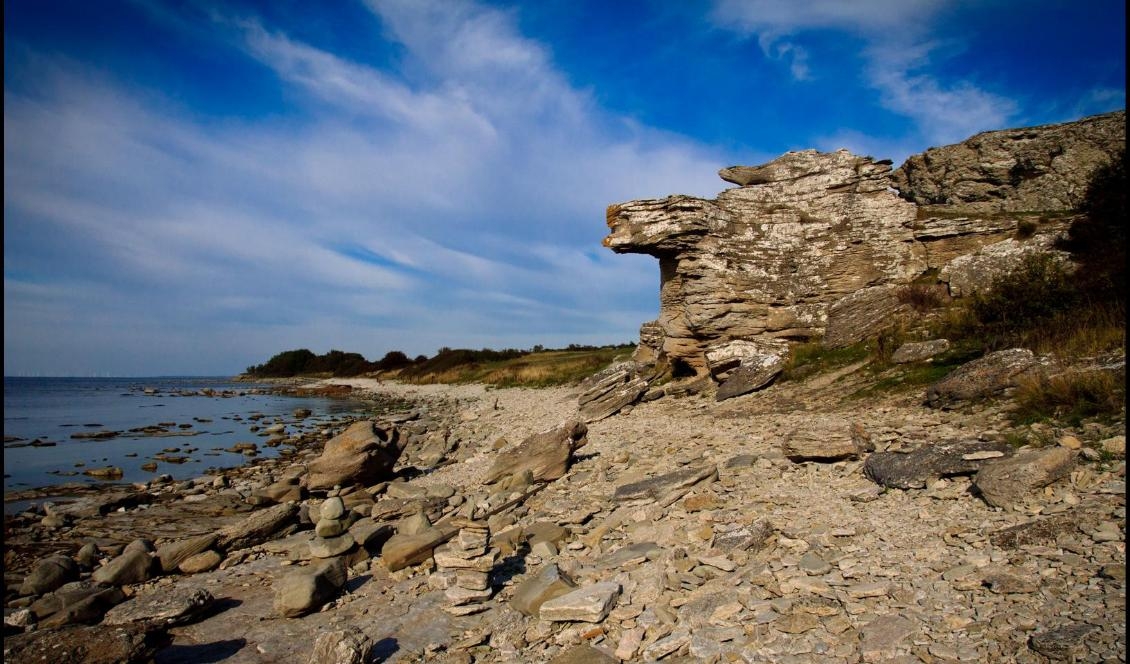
332	538
463	568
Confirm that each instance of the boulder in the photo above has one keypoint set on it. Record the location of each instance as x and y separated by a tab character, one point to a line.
1061	643
744	366
348	645
607	392
400	551
363	454
982	377
917	468
826	444
1006	482
204	561
304	591
131	567
172	554
549	582
545	455
168	607
662	486
256	528
48	574
919	351
587	604
81	602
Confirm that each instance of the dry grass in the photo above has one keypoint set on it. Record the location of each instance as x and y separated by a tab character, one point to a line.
1071	397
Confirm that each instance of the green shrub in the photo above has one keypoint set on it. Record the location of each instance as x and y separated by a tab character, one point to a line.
1097	240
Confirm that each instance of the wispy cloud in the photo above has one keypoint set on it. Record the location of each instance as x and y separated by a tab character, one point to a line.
451	201
899	48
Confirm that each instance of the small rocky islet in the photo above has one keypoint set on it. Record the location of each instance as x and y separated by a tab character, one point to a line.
722	517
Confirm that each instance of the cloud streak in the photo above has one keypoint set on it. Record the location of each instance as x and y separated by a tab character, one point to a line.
398	210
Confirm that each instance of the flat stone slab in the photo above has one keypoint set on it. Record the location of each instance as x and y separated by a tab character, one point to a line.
654	488
548	583
168	606
588	604
917	468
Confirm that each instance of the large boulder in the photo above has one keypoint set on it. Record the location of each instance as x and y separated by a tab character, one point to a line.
48	574
363	454
741	366
545	455
982	377
916	468
1007	482
306	590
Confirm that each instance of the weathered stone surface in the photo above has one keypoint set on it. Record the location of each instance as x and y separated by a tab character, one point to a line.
607	392
1035	168
862	314
882	637
766	260
982	377
545	455
328	547
303	591
201	562
743	538
919	351
363	454
400	551
341	646
82	602
49	574
655	488
916	468
587	604
172	554
100	644
815	244
168	606
977	271
549	582
256	528
1005	482
826	444
130	567
1061	643
745	366
1040	531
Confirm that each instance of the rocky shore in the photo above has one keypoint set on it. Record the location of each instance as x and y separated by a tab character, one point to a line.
495	525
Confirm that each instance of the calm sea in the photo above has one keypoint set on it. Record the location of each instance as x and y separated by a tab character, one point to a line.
53	410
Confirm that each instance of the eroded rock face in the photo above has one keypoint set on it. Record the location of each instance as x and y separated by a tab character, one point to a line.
766	260
817	245
1036	168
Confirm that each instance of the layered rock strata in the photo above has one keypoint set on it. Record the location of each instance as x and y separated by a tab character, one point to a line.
818	245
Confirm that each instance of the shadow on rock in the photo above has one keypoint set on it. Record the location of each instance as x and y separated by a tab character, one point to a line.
202	653
383	649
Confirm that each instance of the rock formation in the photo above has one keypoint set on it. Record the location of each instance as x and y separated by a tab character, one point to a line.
818	245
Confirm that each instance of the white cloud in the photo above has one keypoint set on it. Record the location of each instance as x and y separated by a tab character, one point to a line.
476	169
899	50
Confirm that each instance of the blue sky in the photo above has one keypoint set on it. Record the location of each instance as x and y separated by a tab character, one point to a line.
191	187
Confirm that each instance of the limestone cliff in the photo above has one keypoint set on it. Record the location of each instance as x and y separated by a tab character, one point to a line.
817	244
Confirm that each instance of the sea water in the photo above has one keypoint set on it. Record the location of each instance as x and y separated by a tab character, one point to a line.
52	410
